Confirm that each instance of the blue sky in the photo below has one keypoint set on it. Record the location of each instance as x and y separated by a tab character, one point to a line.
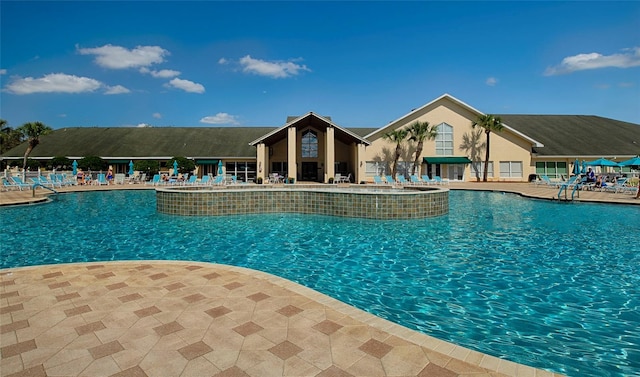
207	63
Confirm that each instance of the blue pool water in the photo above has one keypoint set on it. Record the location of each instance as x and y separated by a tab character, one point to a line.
551	285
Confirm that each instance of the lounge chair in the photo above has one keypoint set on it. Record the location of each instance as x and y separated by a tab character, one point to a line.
617	187
61	179
206	180
439	181
378	180
401	180
101	179
8	185
547	181
219	180
337	178
119	178
19	182
415	180
390	179
191	181
154	181
427	180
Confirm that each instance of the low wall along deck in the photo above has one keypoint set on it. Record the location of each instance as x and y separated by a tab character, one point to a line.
378	203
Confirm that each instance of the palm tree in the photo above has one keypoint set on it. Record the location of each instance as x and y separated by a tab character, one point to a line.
421	131
488	123
396	136
32	131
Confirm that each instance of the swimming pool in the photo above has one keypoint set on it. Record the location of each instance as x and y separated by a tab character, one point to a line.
551	285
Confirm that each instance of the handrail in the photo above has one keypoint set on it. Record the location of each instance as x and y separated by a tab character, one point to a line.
577	188
36	185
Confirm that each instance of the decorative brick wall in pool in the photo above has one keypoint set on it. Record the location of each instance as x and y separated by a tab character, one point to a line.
383	204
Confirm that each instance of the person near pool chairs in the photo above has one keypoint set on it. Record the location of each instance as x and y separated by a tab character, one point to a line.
591	176
638	192
80	177
110	176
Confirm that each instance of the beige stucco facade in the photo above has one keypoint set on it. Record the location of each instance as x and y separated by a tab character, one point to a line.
312	148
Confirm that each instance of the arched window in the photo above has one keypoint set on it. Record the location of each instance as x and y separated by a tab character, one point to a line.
309	144
444	140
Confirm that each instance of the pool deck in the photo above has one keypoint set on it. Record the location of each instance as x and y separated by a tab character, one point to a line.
162	318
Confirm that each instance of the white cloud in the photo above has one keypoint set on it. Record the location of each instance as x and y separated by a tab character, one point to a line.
118	89
117	57
186	85
274	69
491	81
223	61
628	58
143	125
3	71
163	73
157	115
220	118
53	83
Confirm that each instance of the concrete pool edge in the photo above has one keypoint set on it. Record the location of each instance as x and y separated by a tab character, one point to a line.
461	354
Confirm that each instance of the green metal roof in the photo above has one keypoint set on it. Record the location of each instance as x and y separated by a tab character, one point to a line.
577	135
124	143
447	160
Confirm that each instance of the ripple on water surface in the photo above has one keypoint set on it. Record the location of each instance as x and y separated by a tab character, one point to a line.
552	285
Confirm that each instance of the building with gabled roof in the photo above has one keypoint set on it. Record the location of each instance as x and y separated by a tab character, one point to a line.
312	147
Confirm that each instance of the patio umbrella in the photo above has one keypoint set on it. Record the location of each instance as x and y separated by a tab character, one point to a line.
131	168
635	162
576	167
75	167
175	167
220	167
602	162
584	167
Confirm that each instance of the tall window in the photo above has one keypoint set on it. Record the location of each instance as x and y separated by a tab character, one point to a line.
444	140
309	144
376	168
510	169
551	169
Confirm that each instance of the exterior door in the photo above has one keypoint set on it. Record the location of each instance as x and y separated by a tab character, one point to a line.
310	171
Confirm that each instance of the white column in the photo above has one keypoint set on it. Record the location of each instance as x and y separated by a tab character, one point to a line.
291	153
330	153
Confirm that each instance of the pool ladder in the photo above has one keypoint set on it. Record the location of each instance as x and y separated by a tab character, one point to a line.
565	187
36	185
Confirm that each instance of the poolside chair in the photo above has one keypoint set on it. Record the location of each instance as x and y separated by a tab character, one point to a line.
60	178
119	178
414	180
427	180
101	179
390	179
378	180
401	180
8	186
42	181
617	187
154	181
219	180
191	181
19	182
337	178
206	180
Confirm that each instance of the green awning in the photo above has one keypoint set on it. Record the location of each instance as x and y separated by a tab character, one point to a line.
118	161
446	160
206	162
